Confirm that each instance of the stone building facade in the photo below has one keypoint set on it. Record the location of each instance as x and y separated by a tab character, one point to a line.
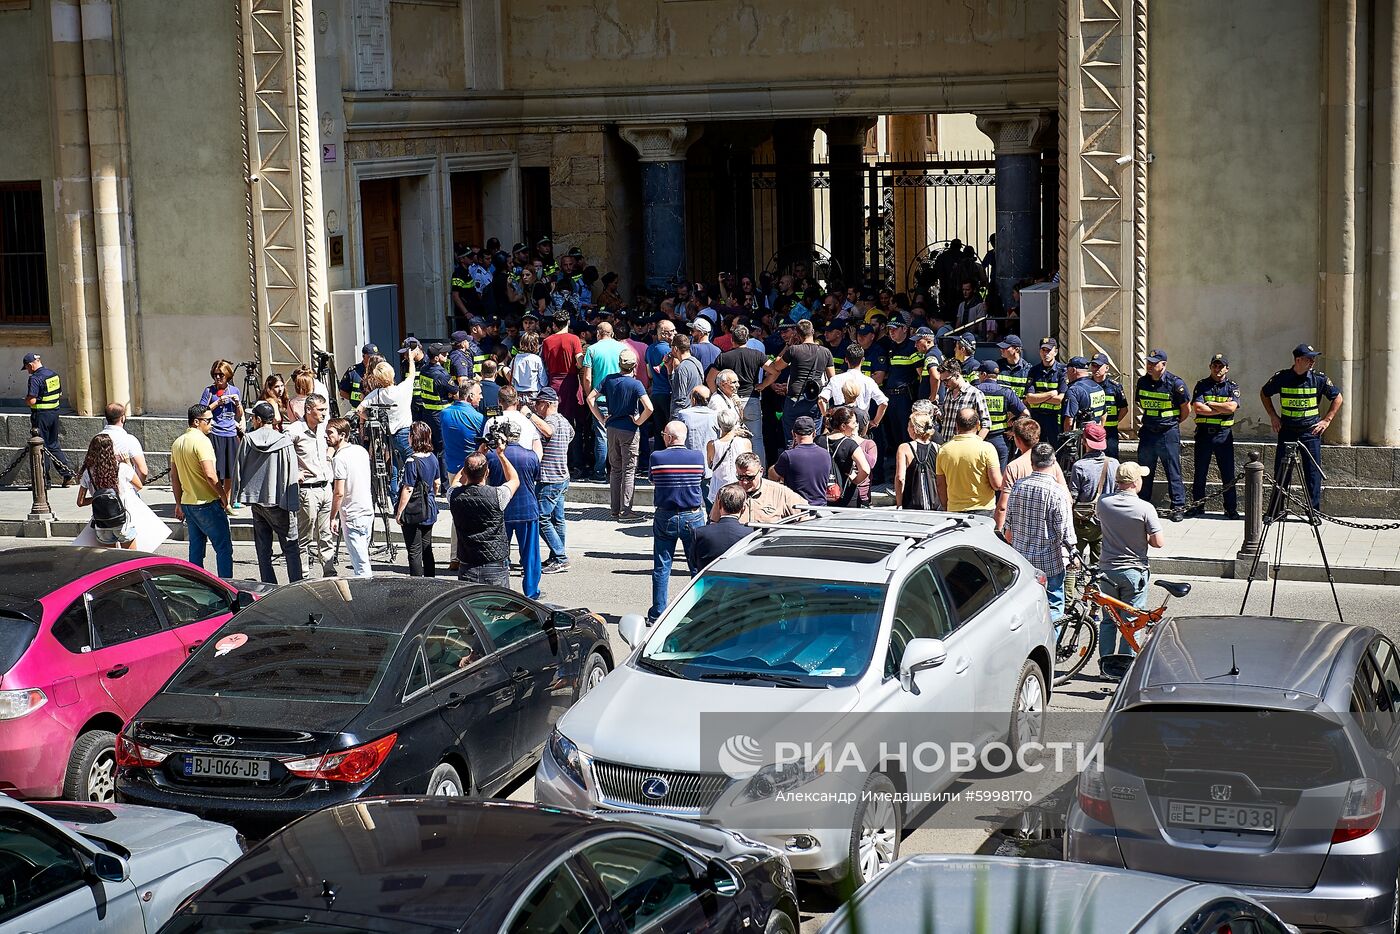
204	174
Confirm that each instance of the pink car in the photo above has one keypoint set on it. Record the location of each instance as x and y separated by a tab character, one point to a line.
88	635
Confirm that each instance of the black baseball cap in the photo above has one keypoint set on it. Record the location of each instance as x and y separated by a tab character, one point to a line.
804	425
30	358
574	252
519	248
1220	359
967	340
370	349
834	325
409	343
990	367
545	239
435	350
921	333
546	395
1010	340
1157	356
1306	350
1079	363
1049	342
459	336
1099	359
264	411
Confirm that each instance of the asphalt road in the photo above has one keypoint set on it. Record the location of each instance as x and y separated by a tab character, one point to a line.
611	575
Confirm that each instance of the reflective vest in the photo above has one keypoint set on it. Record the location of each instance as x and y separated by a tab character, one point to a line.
1046	381
425	393
996	407
1295	402
1111	391
1219	392
1015	378
1159	402
357	386
47	400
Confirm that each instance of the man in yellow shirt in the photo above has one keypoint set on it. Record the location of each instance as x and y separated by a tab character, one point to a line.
200	500
968	469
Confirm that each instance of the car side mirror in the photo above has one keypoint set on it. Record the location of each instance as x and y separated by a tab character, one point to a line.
110	868
722	878
558	620
919	655
242	600
632	628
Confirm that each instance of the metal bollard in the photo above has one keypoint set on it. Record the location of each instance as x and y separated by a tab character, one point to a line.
38	479
1253	506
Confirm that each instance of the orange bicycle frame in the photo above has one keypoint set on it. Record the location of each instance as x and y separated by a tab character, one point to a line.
1128	618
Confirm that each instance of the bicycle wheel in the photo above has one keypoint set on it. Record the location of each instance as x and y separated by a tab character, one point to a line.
1075	639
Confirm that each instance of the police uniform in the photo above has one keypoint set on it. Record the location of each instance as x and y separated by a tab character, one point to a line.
1159	403
1299	411
1115	404
1003	405
46	387
1015	376
464	287
1215	437
353	384
1042	378
434	390
1085	402
901	377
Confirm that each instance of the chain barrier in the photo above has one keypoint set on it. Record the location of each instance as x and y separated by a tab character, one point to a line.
1304	505
1208	498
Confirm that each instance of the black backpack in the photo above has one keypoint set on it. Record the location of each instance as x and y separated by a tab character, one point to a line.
920	492
108	511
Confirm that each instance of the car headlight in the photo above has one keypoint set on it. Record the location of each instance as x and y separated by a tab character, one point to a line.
784	776
567	756
15	704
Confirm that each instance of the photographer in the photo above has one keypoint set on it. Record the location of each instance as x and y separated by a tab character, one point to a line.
478	515
388	406
812	368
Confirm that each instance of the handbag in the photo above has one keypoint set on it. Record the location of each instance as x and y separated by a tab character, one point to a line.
415	511
836	486
1086	515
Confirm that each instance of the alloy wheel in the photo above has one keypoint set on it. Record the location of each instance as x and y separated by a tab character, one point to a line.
102	777
1030	711
878	838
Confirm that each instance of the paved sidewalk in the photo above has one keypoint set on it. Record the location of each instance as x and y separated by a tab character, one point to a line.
1204	547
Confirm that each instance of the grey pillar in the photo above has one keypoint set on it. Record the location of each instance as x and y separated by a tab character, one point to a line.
1016	139
661	148
792	153
846	139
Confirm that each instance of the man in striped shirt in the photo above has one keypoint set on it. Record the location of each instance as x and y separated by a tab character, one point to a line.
676	474
1040	526
958	394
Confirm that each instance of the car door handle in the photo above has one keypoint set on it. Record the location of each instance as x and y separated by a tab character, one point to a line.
194	646
118	671
963	665
1016	623
454	699
520	674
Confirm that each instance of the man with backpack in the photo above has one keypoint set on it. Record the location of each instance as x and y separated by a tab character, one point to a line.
269	481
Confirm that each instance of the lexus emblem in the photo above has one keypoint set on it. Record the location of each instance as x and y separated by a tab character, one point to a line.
1220	792
656	788
228	739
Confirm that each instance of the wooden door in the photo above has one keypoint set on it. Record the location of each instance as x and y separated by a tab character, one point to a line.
379	207
466	210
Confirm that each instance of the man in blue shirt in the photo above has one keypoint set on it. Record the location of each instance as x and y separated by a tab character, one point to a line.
660	376
461	427
627	408
676	474
522	513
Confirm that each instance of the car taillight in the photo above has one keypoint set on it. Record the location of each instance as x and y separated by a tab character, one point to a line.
1361	811
347	765
1093	797
132	755
16	704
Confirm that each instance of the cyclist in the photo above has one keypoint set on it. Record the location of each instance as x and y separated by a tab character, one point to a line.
1129	526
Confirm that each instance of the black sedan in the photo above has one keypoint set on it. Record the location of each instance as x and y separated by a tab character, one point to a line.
426	865
330	690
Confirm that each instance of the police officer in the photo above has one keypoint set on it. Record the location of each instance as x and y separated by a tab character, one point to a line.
876	364
351	385
926	349
1015	370
964	349
1003	405
43	396
412	350
1300	390
1045	391
1214	401
1163	404
834	340
901	378
544	250
461	361
519	259
1085	400
436	390
1115	401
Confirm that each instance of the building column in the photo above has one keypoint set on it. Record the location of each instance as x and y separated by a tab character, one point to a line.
1016	138
909	141
1382	389
792	155
661	148
846	142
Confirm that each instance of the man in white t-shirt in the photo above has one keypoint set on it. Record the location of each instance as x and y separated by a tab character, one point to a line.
127	447
833	394
352	507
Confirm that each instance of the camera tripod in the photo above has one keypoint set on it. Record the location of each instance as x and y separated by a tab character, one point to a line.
381	493
326	375
1282	506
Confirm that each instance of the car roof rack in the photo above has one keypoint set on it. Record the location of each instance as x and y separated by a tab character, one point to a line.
947	522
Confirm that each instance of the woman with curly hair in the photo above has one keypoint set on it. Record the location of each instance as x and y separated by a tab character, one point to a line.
101	471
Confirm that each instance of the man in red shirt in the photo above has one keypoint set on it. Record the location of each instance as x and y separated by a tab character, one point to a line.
562	353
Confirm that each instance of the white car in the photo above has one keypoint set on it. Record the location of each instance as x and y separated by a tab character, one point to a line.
73	868
830	628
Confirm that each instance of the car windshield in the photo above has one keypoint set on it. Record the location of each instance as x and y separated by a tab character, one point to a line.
276	661
16	634
788	632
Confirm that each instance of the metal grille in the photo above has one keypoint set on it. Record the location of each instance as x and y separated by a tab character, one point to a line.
686	792
24	280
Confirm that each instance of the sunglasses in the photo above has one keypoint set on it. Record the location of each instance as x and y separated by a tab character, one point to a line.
746	476
205	418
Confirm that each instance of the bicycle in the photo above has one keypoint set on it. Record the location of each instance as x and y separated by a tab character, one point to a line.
1077	632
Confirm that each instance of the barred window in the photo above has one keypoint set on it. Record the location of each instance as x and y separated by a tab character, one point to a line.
24	279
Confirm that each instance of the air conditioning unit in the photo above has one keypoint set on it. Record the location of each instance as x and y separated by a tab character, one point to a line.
1040	317
369	315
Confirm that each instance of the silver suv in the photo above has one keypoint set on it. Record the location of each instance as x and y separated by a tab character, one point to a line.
839	621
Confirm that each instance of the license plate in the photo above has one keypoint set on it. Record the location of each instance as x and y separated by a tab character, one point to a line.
1248	818
257	770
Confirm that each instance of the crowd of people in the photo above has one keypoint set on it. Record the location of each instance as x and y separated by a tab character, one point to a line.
740	401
